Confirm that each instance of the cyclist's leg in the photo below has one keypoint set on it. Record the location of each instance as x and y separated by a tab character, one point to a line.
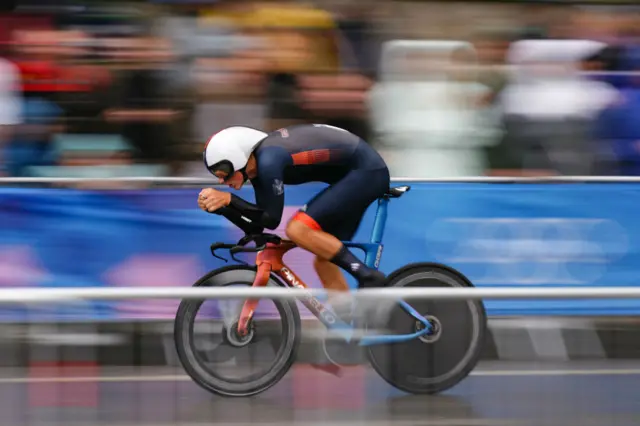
343	230
330	275
333	279
302	229
333	216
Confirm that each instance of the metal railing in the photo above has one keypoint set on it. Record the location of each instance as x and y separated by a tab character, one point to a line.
211	181
48	295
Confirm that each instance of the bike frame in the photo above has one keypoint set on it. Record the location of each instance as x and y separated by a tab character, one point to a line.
270	260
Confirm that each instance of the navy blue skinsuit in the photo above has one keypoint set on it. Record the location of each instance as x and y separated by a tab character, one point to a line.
355	172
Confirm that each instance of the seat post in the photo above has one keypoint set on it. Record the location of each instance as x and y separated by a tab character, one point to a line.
380	220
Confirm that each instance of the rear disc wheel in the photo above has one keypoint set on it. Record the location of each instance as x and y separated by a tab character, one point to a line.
437	361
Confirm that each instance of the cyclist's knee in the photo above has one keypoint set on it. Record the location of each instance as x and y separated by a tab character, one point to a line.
300	226
295	231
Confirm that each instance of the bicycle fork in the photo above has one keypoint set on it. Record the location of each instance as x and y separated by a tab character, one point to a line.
250	305
267	260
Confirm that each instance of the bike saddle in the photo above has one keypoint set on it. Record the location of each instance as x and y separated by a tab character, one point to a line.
397	191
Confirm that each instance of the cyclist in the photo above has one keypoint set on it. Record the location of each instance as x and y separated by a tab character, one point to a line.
355	172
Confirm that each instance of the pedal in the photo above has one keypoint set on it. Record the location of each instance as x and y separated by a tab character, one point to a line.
332	369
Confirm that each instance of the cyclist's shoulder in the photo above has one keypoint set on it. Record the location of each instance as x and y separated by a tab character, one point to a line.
270	152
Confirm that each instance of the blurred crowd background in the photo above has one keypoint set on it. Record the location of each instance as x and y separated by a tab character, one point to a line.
99	88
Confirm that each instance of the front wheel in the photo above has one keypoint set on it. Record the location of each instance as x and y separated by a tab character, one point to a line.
211	352
434	363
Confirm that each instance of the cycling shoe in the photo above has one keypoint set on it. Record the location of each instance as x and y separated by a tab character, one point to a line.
375	280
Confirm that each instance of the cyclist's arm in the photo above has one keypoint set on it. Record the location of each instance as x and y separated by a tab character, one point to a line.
269	190
241	221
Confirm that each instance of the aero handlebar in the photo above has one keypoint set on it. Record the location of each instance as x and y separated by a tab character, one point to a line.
260	240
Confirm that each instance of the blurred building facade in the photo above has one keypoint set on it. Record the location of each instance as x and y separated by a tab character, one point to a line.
113	88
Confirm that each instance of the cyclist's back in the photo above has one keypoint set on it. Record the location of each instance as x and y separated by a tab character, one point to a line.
316	153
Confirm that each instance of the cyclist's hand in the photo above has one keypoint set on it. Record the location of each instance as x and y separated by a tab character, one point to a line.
211	199
202	198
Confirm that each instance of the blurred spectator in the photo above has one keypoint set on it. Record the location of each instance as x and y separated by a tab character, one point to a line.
10	107
149	102
426	110
86	84
549	108
492	47
293	61
303	41
618	128
39	53
619	135
338	96
538	20
360	37
56	90
338	100
31	145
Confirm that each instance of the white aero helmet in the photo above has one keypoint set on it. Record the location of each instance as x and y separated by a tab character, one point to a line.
229	149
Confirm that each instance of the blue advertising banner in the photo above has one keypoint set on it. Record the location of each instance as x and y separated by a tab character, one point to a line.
496	234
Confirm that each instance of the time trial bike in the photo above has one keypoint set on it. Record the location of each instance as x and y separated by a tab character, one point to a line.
426	347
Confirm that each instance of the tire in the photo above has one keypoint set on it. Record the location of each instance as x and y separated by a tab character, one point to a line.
185	345
456	352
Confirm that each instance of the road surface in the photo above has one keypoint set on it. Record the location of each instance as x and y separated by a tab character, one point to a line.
573	393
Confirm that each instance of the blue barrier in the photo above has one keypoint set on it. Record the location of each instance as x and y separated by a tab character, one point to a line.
497	234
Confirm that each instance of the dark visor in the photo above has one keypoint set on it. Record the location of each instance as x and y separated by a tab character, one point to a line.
224	166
